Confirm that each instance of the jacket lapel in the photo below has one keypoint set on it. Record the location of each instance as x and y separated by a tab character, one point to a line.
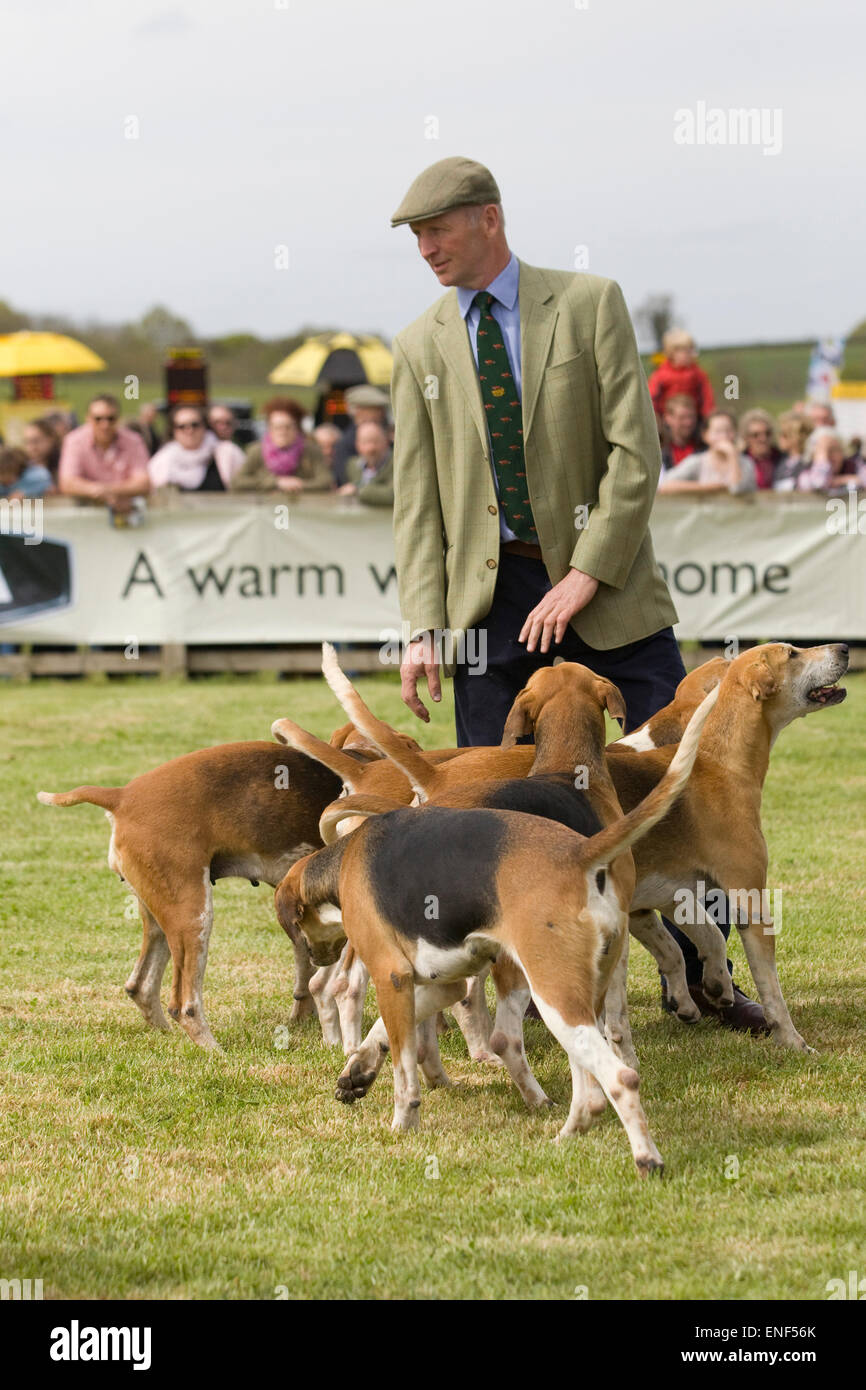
538	316
452	340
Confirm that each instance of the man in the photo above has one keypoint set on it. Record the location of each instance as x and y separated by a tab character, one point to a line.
221	419
364	404
103	463
681	430
328	437
371	474
526	462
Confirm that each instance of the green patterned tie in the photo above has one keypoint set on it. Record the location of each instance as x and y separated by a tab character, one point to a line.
504	422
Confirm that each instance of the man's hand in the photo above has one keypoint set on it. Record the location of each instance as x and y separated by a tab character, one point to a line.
420	660
289	483
550	618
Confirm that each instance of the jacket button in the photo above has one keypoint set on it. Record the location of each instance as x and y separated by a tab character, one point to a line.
492	510
491	564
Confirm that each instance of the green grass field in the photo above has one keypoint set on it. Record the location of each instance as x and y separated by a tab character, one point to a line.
135	1166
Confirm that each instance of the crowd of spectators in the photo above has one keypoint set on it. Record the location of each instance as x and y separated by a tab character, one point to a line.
119	462
710	450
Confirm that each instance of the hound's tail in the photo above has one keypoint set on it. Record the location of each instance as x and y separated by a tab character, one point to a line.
600	849
349	769
413	765
107	797
348	807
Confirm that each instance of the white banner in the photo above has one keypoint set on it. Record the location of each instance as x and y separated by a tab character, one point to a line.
218	569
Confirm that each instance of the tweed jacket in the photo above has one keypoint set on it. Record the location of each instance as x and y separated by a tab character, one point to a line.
592	461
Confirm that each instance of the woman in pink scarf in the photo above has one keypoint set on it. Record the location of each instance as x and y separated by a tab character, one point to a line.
284	459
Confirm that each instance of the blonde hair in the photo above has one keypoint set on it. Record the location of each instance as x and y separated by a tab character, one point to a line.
757	417
677	337
824	434
794	424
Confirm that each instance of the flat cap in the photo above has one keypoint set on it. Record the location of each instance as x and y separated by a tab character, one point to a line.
449	183
367	395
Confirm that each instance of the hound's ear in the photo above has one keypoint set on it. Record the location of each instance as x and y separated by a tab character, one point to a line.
520	721
613	701
288	906
339	736
760	680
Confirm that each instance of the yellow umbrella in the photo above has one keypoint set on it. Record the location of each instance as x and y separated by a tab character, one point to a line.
340	359
44	354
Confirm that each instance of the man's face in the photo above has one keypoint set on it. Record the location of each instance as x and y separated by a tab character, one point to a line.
681	422
222	422
820	415
369	415
371	443
454	244
103	421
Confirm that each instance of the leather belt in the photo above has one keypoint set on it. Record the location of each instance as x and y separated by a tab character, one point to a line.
532	552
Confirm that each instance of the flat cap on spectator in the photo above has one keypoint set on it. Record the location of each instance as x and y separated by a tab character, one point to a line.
449	183
367	395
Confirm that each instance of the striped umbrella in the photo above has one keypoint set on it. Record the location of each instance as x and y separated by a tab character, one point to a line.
337	360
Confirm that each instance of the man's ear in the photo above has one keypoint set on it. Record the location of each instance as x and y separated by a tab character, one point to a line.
613	701
520	721
760	680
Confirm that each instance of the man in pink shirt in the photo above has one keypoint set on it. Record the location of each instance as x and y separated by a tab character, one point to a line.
102	462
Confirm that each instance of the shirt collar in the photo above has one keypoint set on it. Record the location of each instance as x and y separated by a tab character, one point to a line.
503	288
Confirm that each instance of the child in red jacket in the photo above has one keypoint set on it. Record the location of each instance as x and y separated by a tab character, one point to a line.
680	375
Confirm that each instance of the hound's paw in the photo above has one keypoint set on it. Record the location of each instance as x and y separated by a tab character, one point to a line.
795	1043
482	1054
649	1166
302	1008
685	1009
354	1083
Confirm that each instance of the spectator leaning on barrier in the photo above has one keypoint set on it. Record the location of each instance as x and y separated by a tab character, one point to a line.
819	414
679	430
793	432
757	429
222	422
825	456
680	375
144	425
194	460
100	462
719	468
371	473
20	477
61	421
328	438
365	404
284	458
42	446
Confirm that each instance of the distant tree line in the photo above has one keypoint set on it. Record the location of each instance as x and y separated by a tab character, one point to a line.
140	347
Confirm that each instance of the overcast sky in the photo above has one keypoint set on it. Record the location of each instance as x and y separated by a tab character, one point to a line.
264	123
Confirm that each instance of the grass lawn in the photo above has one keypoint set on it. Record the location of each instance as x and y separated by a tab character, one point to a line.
133	1165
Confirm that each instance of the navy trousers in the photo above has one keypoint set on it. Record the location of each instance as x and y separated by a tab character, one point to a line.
647	673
